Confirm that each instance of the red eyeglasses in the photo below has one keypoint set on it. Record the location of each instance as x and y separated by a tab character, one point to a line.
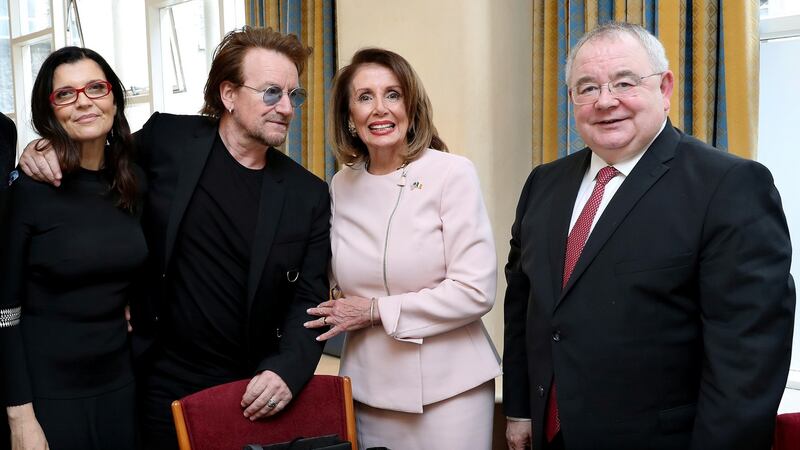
68	95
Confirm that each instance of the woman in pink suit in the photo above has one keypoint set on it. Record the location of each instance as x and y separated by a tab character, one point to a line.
414	260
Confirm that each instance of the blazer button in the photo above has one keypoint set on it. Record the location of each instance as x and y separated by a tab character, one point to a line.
540	390
556	336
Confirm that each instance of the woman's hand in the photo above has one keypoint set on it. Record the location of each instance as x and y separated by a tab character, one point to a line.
26	433
345	314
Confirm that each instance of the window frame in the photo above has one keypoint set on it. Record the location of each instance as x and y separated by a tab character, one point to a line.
773	28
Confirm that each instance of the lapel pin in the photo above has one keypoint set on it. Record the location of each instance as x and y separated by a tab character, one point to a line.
416	185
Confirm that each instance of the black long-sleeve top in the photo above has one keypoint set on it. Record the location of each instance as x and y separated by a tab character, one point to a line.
69	258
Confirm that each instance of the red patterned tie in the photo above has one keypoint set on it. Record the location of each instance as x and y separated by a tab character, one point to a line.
575	242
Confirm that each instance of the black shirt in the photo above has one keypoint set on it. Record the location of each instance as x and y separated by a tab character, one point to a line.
205	323
69	259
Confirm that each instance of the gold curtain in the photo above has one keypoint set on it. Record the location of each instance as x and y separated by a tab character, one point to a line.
712	47
312	21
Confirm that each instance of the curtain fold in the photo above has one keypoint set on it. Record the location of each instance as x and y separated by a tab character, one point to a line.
712	47
313	22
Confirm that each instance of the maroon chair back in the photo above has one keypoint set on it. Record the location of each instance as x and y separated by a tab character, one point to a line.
787	432
212	419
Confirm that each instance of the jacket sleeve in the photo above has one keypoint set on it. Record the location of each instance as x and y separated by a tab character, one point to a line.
299	351
468	289
15	234
747	303
516	398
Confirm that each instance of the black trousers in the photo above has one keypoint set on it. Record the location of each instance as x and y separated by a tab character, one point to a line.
162	381
102	422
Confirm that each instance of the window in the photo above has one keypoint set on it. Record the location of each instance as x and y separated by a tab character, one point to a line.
160	49
778	112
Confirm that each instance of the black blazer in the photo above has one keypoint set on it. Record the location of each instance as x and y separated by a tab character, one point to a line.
8	150
675	329
288	272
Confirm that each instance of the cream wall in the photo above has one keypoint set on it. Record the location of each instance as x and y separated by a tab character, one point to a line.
474	58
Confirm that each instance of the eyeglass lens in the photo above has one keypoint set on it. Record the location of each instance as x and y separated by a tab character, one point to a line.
273	94
93	90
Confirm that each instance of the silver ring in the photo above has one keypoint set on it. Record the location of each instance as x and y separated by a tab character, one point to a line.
271	403
324	320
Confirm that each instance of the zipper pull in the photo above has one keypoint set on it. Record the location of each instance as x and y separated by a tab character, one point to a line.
404	169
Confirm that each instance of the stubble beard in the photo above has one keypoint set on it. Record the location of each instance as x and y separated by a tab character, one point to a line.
262	135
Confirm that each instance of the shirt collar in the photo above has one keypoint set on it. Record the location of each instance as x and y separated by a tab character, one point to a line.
624	167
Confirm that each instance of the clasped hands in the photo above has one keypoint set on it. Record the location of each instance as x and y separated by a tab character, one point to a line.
344	314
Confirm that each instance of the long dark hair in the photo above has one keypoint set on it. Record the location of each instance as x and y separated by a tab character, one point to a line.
119	152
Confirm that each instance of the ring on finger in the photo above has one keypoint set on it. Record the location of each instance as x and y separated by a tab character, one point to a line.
271	403
324	320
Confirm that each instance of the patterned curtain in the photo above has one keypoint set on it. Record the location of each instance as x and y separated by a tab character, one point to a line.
696	35
313	22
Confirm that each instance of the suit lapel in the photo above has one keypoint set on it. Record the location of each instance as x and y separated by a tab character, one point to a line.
647	171
270	206
560	215
193	159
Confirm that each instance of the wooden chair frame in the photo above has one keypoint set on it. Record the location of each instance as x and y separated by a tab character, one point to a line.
184	442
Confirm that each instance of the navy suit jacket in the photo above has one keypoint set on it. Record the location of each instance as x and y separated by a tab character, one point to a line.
675	328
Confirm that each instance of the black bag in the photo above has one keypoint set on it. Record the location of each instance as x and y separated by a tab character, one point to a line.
327	442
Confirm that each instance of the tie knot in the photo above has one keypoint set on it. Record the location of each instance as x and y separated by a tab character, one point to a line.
606	174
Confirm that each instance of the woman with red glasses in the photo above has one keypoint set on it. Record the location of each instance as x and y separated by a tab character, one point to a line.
69	259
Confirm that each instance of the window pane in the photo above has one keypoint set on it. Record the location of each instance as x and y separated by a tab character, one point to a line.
778	98
6	78
184	66
33	55
137	114
779	8
113	29
34	15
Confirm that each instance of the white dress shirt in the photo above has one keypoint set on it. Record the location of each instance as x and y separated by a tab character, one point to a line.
589	180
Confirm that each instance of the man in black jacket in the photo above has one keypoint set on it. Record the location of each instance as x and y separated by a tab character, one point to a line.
238	239
8	149
649	300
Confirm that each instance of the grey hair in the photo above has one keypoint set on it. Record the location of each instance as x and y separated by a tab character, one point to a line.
654	48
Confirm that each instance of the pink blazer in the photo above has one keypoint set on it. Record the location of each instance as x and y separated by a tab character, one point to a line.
422	245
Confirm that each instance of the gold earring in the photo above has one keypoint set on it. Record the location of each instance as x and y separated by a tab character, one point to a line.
351	128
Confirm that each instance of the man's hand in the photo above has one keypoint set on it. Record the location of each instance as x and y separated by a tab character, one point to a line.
42	164
266	394
26	433
518	434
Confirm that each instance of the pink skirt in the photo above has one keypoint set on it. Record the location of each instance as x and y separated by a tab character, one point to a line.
460	422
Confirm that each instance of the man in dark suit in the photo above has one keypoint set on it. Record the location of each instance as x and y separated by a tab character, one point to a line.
8	152
238	239
649	301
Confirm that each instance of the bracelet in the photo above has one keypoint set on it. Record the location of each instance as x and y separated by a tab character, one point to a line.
371	312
